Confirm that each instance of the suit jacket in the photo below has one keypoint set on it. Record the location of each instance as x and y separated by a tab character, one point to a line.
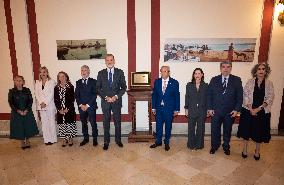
70	116
171	97
118	85
231	100
196	107
45	95
86	94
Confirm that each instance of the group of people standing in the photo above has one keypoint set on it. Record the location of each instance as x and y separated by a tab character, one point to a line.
222	99
55	101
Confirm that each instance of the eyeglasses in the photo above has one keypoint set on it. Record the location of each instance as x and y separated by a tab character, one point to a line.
261	69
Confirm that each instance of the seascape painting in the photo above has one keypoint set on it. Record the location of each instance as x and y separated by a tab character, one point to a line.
209	50
81	49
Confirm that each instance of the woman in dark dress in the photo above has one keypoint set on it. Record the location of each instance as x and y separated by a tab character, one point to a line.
23	125
255	114
64	101
196	109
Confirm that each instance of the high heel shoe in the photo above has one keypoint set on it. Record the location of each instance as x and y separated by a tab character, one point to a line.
70	142
64	142
244	155
256	157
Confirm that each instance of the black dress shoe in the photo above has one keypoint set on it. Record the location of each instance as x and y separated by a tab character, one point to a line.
84	142
167	147
119	144
95	143
227	152
212	151
256	157
49	143
105	146
244	155
155	145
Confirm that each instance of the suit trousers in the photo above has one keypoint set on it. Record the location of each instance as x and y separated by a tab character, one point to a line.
84	115
216	124
48	126
116	110
163	116
196	129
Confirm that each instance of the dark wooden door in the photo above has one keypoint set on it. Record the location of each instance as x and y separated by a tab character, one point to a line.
281	119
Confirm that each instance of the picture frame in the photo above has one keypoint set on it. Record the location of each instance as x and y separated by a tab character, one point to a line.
140	79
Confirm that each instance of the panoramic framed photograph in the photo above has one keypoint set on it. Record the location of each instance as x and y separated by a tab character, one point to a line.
209	50
81	49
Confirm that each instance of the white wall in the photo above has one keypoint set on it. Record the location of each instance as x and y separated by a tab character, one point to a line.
6	79
209	19
88	19
74	19
276	61
143	35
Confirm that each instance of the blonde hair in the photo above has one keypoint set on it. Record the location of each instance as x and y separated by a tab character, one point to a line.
44	68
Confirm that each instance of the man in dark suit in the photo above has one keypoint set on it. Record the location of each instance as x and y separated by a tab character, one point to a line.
165	105
111	86
86	95
225	97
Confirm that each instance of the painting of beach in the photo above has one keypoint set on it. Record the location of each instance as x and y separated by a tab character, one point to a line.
81	49
209	50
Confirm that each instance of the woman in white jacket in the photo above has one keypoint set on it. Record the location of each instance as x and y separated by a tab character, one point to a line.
44	90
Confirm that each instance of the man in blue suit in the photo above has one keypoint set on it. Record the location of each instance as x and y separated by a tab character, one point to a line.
86	95
225	97
165	105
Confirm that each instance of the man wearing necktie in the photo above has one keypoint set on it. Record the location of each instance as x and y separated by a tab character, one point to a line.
86	95
111	86
165	105
225	97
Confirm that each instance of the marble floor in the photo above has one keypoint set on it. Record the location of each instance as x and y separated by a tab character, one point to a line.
136	163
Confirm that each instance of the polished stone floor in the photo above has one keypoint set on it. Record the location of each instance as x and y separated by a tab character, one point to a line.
138	164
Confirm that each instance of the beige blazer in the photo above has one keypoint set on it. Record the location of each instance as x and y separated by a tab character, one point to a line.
248	94
45	95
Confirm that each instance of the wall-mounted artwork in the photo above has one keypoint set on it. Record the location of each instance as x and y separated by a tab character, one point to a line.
81	49
209	50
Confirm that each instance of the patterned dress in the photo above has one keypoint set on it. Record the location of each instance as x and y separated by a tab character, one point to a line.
64	98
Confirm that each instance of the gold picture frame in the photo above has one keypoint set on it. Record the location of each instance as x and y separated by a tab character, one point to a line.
140	79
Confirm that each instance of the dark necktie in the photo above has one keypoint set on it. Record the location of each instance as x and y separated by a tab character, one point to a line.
224	84
85	81
110	79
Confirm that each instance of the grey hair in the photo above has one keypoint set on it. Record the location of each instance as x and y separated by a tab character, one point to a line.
255	68
85	66
165	67
225	62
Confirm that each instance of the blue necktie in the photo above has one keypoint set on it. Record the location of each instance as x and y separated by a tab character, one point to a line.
110	79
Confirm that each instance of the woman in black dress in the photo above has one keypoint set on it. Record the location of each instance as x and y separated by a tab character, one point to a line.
196	109
64	101
255	114
22	125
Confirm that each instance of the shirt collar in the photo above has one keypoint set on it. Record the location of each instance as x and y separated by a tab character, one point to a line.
167	79
227	77
112	70
86	78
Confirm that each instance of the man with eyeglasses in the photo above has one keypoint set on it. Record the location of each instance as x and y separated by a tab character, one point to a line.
165	105
225	98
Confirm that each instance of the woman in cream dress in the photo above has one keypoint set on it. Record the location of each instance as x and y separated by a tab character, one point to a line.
44	90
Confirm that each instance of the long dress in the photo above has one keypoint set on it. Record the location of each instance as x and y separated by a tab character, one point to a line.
21	127
64	98
256	127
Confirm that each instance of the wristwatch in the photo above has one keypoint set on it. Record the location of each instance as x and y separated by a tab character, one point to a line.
261	107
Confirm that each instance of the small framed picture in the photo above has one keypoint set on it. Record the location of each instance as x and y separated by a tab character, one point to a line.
140	79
